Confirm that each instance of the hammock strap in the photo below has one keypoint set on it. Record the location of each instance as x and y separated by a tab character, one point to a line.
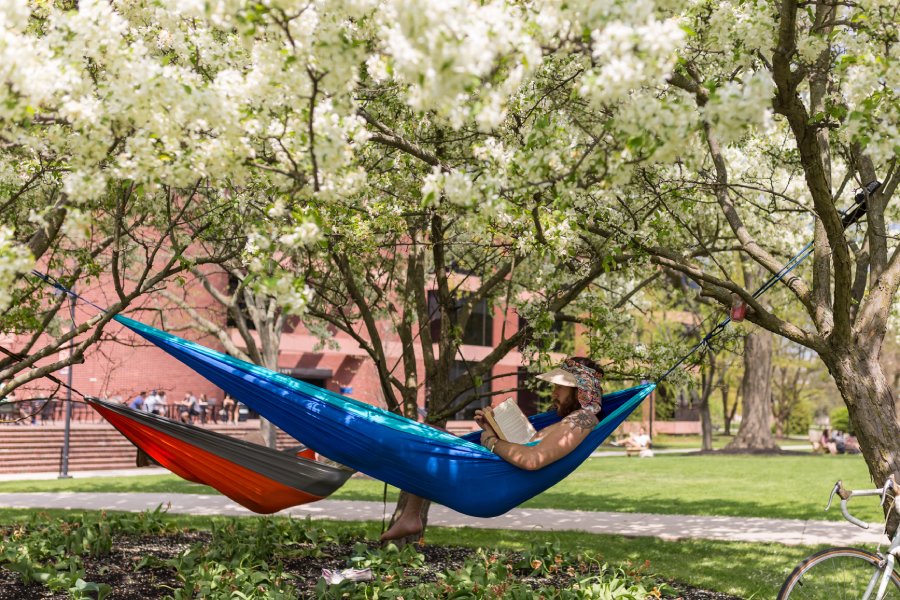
56	284
720	327
848	217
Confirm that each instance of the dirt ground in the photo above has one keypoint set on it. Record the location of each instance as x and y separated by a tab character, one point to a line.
117	570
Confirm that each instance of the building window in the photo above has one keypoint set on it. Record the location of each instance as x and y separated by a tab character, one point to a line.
528	399
233	285
479	330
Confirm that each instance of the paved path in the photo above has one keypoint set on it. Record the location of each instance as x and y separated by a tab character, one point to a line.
85	474
161	471
667	527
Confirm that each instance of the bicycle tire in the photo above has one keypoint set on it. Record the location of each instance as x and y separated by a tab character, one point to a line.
835	574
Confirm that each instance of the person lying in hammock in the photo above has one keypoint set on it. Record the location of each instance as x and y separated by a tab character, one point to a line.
576	396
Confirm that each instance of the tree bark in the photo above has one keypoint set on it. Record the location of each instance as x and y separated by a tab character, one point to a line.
870	399
705	424
706	389
270	336
727	413
756	389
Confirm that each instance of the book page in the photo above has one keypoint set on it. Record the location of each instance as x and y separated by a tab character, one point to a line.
512	422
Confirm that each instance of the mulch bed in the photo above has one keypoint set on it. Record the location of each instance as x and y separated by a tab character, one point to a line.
117	570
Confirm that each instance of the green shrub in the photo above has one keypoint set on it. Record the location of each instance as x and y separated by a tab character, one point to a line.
245	558
840	419
801	418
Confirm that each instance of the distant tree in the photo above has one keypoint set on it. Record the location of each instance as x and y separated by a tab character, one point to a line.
794	372
840	420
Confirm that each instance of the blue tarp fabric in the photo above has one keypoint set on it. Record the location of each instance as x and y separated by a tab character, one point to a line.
456	472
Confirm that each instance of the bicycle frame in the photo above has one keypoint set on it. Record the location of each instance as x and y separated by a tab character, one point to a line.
883	574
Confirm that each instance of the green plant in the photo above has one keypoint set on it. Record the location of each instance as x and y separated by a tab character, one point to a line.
840	419
85	589
801	418
739	569
50	552
391	556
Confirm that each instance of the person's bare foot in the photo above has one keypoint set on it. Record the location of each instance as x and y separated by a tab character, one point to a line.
404	527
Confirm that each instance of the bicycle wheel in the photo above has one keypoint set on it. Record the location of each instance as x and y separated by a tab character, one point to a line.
838	574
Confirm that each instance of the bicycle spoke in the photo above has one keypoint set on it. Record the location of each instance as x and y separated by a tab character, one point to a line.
841	576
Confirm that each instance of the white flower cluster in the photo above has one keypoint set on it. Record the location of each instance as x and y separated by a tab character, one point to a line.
628	56
14	260
663	127
561	233
747	25
338	137
736	106
444	50
456	187
292	295
306	233
33	74
870	84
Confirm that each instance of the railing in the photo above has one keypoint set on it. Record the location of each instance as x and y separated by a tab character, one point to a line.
41	412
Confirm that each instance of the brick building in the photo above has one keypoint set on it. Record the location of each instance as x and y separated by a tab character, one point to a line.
122	364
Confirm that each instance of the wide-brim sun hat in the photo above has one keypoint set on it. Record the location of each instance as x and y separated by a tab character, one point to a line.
583	378
559	377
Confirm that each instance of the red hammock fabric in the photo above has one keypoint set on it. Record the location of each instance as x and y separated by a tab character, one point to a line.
256	477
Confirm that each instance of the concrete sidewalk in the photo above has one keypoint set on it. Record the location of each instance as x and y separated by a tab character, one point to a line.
45	476
666	527
604	453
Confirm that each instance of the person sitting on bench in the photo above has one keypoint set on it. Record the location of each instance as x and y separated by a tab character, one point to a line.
637	443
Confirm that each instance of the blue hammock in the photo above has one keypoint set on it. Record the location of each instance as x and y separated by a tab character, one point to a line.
456	472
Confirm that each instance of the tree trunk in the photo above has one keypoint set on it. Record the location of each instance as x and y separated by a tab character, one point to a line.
268	431
873	412
706	389
706	424
727	415
271	341
756	389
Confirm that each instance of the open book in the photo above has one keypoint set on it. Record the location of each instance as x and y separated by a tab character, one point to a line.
510	422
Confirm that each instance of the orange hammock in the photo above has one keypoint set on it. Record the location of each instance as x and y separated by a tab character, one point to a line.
256	477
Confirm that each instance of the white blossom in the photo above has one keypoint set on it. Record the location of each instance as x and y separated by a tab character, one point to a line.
14	260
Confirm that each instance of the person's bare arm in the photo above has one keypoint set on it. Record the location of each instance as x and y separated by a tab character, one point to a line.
559	441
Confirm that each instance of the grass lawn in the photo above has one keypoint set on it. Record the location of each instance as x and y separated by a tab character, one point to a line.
746	570
787	487
694	442
790	487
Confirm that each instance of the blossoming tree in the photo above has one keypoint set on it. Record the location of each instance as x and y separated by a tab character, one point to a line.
775	117
635	134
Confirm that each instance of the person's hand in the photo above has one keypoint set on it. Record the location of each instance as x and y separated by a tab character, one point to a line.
481	421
